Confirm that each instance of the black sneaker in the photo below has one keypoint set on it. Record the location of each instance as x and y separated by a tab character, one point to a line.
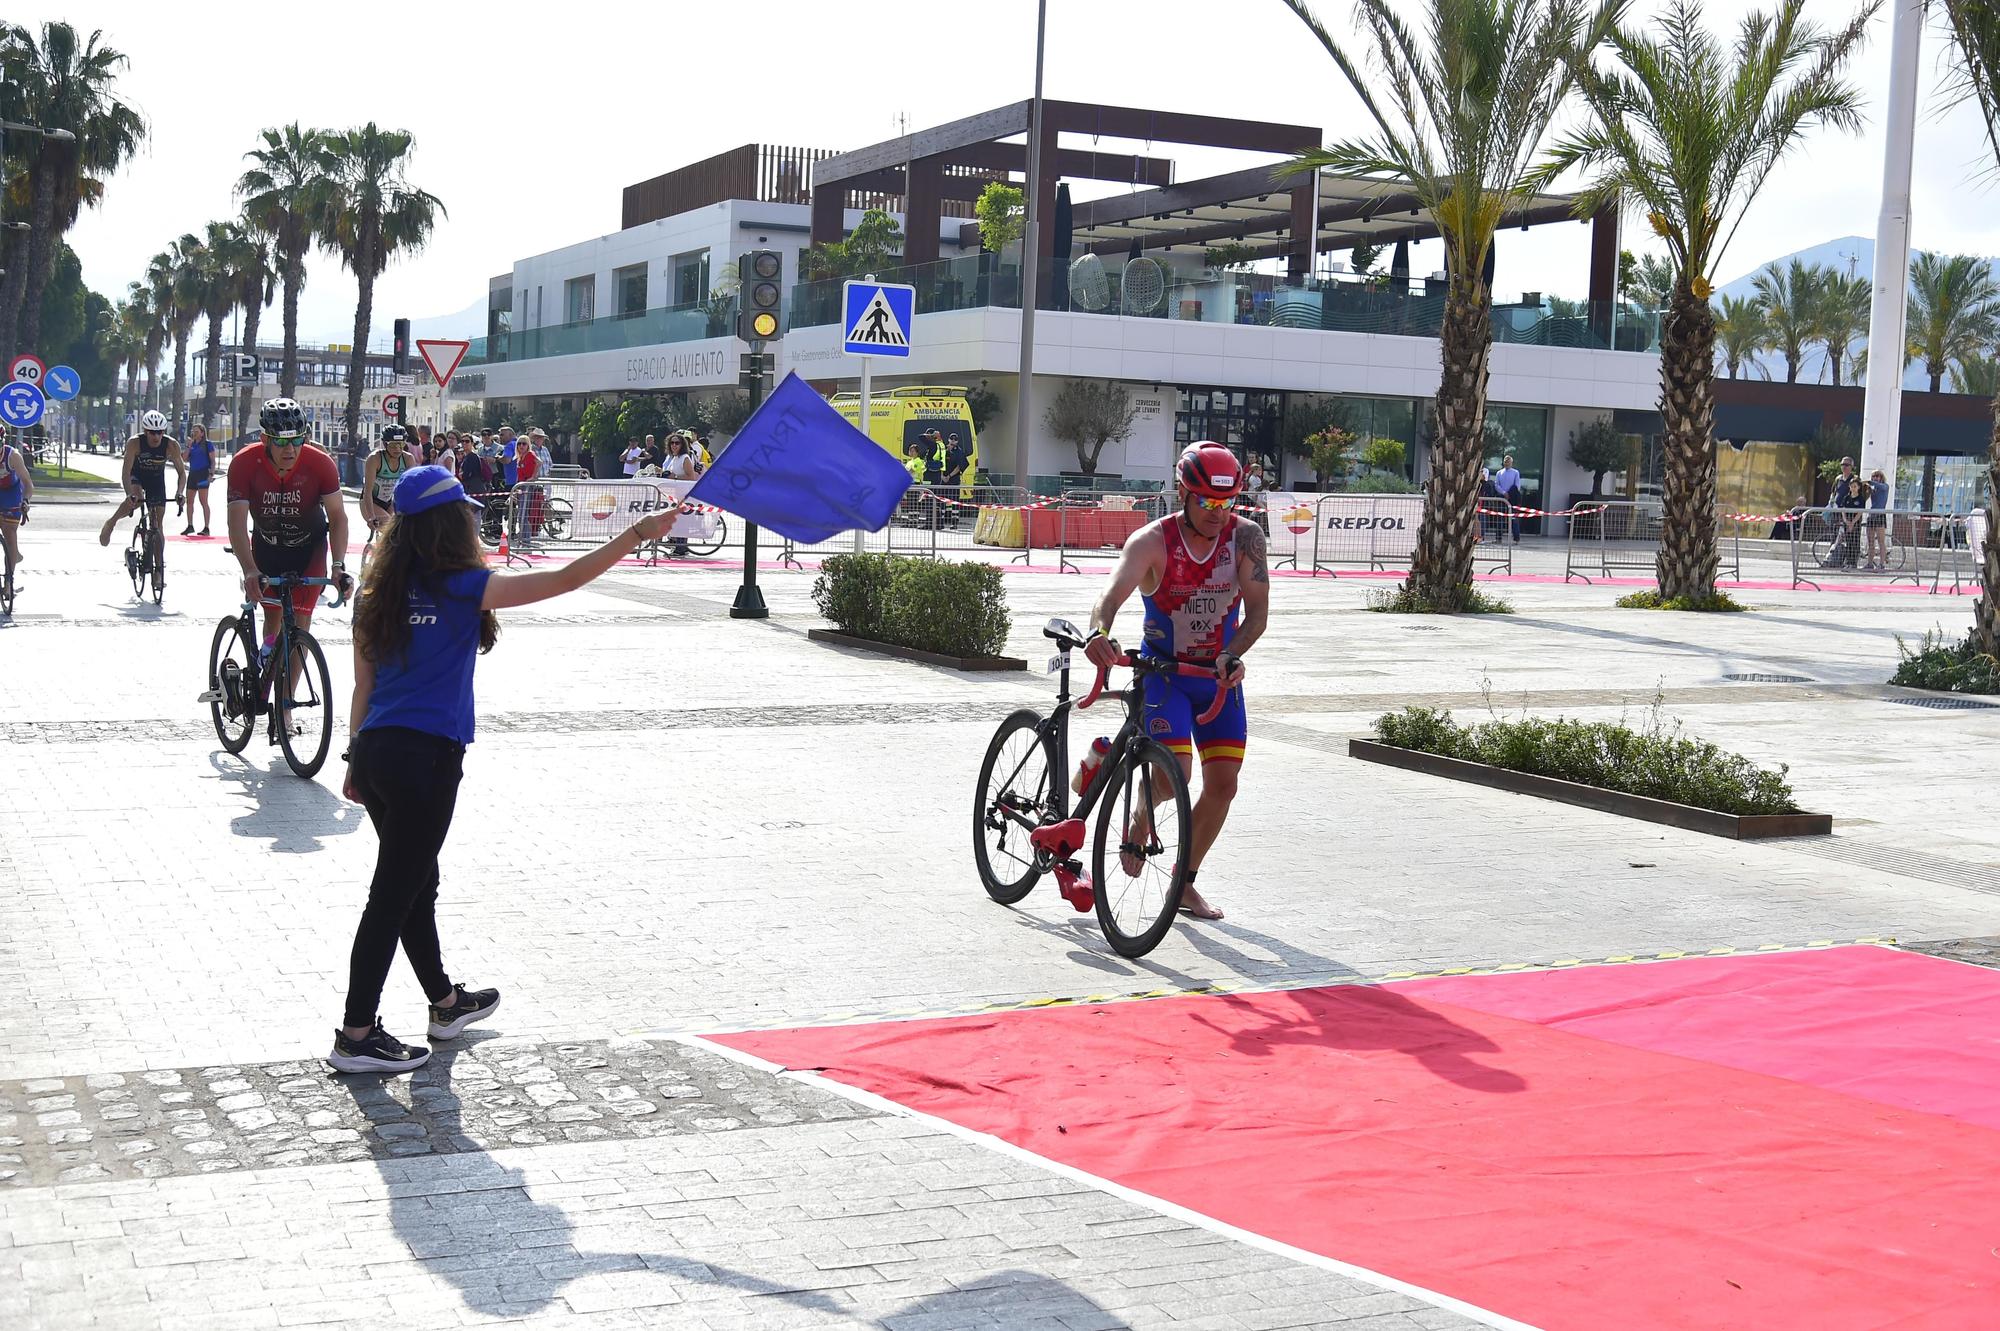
468	1006
377	1051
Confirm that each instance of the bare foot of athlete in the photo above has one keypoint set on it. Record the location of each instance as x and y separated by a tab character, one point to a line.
1195	906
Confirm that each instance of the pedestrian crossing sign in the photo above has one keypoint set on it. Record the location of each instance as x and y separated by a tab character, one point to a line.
877	317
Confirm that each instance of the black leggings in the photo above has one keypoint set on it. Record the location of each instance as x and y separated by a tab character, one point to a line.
409	782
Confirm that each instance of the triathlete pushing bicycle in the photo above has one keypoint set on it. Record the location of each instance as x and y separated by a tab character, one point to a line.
1194	571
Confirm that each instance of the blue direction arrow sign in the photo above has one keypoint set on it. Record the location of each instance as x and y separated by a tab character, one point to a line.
21	405
878	318
62	383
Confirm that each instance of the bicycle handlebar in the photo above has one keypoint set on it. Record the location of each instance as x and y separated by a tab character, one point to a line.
284	582
1183	668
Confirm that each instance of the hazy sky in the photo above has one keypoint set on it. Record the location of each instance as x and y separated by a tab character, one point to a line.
530	121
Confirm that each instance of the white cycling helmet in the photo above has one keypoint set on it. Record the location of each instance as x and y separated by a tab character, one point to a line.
152	420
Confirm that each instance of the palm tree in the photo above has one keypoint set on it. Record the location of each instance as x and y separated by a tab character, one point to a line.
1790	295
223	254
1976	374
283	195
177	272
1954	311
1975	33
1647	280
371	214
59	82
1690	130
1740	333
120	341
1843	319
1458	113
254	284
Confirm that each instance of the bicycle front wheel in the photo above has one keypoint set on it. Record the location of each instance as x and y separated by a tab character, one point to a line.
139	563
1016	795
555	519
1139	858
232	694
305	716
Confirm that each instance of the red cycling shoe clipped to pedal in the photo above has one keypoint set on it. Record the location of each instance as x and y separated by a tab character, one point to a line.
1059	840
1076	889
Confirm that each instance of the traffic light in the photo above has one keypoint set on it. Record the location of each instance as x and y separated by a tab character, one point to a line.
400	359
759	296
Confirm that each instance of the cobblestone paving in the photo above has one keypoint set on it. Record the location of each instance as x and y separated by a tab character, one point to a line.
471	1096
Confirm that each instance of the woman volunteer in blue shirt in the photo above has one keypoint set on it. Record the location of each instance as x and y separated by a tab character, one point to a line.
424	615
201	473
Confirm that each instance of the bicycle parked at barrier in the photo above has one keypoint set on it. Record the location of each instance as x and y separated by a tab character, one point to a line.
289	688
1023	828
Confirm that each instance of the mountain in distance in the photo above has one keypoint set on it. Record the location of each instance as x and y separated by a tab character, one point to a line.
1847	254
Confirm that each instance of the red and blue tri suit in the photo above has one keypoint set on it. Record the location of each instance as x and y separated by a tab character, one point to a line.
1191	617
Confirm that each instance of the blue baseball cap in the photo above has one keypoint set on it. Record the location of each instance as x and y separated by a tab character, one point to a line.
424	488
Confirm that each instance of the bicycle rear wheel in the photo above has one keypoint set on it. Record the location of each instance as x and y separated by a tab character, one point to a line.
305	714
1139	884
232	691
160	572
555	519
708	545
1016	795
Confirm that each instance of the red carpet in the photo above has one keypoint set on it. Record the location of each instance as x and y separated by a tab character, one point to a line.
1793	1140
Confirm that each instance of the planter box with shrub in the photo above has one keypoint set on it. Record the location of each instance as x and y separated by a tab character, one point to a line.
928	610
1655	774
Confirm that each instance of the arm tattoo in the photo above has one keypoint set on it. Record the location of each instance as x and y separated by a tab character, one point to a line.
1250	543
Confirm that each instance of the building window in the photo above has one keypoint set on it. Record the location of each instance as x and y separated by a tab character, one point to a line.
630	285
687	277
580	300
1244	419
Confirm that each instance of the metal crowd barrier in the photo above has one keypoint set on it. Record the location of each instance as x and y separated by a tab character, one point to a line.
1370	531
1622	538
1881	545
1088	524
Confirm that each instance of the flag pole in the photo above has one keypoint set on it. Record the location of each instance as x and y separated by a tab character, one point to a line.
750	597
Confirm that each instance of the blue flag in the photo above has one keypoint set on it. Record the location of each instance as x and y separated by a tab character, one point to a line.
800	469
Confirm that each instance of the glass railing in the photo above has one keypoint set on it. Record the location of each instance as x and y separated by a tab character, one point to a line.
1395	307
670	323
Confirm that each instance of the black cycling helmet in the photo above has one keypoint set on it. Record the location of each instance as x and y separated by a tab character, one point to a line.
282	418
392	433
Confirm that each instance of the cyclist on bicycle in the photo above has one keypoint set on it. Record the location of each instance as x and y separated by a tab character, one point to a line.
1194	570
284	505
17	487
385	467
144	477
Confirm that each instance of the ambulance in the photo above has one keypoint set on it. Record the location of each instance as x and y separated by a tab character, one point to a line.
901	416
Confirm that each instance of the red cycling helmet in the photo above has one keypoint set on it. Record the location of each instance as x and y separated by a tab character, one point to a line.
1211	471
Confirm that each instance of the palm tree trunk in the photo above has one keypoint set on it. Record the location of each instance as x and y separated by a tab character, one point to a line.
295	278
131	393
1986	610
12	286
357	361
153	369
180	377
213	383
1686	562
252	314
41	263
1441	572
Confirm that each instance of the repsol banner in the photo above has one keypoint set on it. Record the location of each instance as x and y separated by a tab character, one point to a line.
600	510
1324	529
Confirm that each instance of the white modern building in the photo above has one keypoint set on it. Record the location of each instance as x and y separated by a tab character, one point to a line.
1157	288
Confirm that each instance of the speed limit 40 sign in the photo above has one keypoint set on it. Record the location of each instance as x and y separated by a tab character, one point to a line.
26	369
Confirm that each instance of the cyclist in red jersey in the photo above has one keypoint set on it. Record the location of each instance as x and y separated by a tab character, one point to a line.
1195	571
284	504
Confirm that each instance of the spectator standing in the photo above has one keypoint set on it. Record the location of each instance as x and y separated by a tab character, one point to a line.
201	474
509	469
1508	486
632	458
1878	522
538	440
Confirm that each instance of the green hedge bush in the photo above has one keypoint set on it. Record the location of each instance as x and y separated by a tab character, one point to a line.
1656	762
953	609
1950	667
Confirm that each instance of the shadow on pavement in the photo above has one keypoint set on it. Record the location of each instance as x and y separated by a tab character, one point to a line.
292	814
510	1256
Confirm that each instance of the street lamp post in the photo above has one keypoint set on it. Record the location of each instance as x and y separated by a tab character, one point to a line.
1031	244
1882	401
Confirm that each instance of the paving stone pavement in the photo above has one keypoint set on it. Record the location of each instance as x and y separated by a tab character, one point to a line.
678	823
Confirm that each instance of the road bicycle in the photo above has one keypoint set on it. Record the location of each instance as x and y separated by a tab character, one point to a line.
299	711
1023	828
146	556
7	592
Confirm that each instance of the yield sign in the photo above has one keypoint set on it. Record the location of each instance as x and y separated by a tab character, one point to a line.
443	356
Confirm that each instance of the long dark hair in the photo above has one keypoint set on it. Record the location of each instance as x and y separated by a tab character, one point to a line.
421	550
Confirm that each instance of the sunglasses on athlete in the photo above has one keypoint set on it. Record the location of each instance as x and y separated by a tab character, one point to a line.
1210	505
